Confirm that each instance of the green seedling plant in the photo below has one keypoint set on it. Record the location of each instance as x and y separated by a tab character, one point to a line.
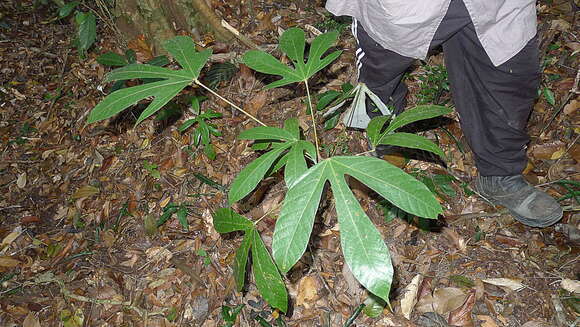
306	172
180	210
152	169
203	128
230	314
268	279
434	84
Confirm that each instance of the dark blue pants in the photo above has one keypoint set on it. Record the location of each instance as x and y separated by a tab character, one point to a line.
493	103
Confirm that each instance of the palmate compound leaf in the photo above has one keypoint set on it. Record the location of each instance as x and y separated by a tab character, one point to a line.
364	250
387	137
412	141
415	114
170	84
268	279
294	161
293	44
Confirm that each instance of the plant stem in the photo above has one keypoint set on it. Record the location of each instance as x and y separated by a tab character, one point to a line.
366	152
313	121
354	315
230	103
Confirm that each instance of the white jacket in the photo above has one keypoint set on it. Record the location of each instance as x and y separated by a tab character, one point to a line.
407	27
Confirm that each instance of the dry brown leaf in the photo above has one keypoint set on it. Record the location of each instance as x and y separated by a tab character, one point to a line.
455	239
257	102
442	301
571	107
560	25
462	315
487	321
21	181
546	150
511	284
307	291
84	192
158	253
31	321
447	299
141	48
570	285
8	262
109	237
396	159
29	220
537	323
8	239
133	258
479	289
410	296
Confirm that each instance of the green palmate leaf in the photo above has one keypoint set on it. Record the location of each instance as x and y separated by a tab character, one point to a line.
266	63
183	50
253	173
364	250
241	261
293	43
294	225
295	161
326	98
67	9
416	114
392	183
268	279
158	61
87	31
319	46
374	128
220	72
134	71
226	221
362	245
266	274
162	95
124	98
266	133
412	141
111	59
291	125
171	83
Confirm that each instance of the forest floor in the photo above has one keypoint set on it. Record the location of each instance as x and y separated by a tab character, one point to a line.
79	203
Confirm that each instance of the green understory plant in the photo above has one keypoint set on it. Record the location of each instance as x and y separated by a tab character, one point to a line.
203	128
113	59
180	210
86	23
306	172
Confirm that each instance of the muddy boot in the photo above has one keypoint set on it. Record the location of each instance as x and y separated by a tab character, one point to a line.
527	204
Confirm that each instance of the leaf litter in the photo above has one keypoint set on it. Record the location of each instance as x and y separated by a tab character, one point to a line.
80	244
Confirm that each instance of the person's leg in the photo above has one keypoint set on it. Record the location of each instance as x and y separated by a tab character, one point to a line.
381	70
494	104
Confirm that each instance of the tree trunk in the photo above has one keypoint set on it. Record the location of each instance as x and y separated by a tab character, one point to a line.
160	20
